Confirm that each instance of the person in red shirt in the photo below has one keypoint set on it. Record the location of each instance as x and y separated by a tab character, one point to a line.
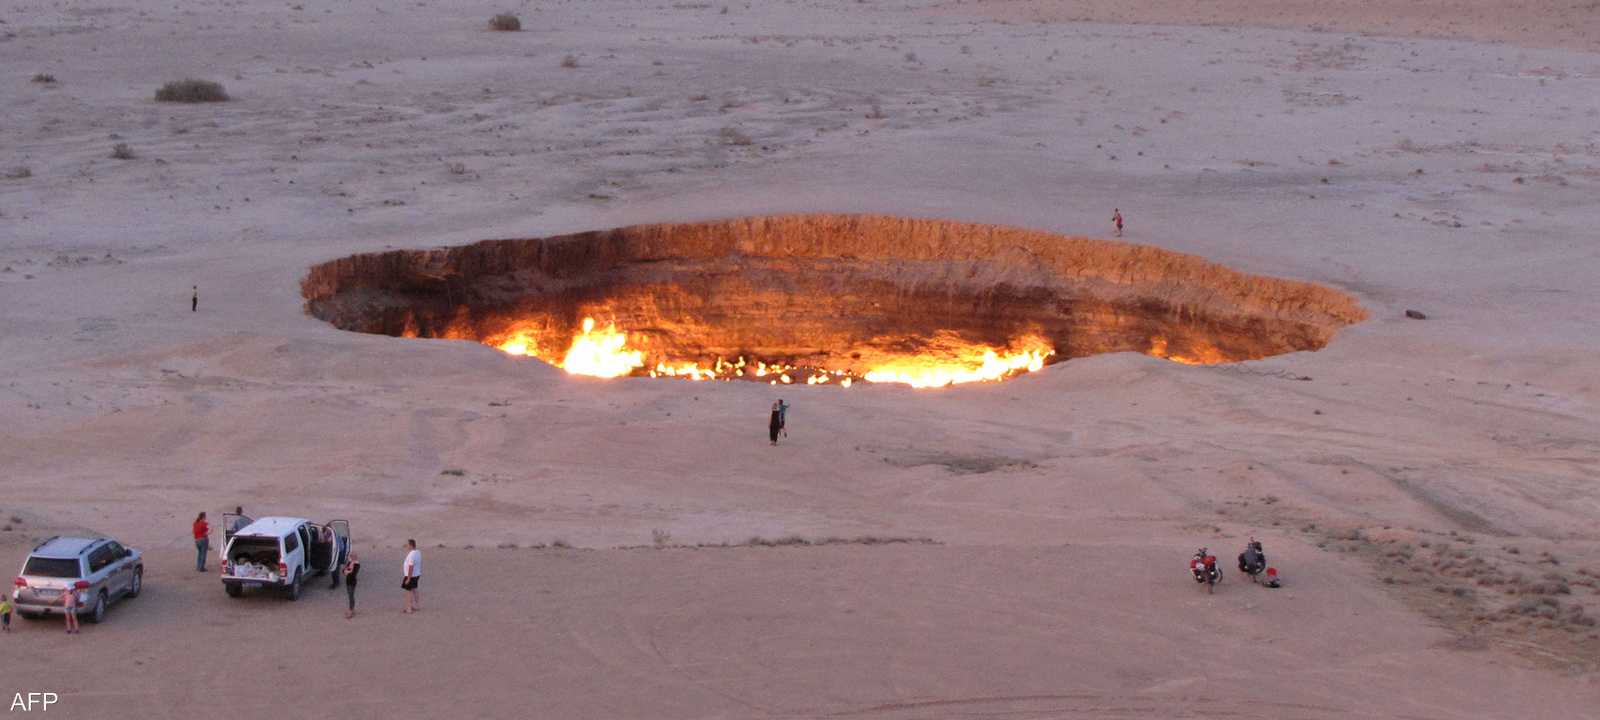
202	542
1116	219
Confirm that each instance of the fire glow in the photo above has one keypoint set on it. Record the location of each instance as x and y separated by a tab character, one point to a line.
604	352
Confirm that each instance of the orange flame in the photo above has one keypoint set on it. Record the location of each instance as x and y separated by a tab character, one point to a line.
1202	353
605	353
602	353
990	366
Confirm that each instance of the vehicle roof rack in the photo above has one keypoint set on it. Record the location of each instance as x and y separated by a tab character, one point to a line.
43	543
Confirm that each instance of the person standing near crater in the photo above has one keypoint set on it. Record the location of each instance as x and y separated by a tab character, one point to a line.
202	542
783	417
411	571
1116	219
775	422
194	300
352	572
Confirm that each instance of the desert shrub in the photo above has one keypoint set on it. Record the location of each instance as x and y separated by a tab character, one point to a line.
456	168
44	78
759	541
505	22
191	91
570	61
660	537
121	151
20	172
732	136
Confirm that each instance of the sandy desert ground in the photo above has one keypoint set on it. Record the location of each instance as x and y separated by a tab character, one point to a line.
1430	488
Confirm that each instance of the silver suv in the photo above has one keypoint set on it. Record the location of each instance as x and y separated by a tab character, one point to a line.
99	570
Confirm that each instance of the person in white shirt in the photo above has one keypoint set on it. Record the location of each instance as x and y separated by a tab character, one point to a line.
412	573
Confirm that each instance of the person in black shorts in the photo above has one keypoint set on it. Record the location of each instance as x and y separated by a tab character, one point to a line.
352	569
411	572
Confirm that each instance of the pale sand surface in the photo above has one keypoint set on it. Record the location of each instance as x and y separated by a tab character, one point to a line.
1453	177
1529	23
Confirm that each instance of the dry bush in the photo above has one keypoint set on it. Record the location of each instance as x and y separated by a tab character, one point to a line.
121	151
759	541
732	136
660	538
191	91
20	172
570	61
505	22
456	168
44	78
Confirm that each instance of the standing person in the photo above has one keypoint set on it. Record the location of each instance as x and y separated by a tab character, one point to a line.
202	542
5	613
239	520
775	423
412	570
783	417
194	300
351	570
69	606
1116	219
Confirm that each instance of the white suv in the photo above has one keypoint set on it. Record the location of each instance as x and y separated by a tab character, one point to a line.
281	552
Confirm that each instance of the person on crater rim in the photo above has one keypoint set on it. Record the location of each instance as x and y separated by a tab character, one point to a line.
1116	219
775	422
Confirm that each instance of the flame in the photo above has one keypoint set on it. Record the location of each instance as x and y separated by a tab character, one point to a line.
990	366
691	371
1202	353
605	353
601	354
521	342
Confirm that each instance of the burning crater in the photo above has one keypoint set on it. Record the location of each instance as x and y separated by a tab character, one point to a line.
825	299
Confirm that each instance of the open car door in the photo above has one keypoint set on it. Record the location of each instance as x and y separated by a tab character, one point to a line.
341	543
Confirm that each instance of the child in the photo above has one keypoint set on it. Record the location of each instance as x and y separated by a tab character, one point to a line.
5	613
69	602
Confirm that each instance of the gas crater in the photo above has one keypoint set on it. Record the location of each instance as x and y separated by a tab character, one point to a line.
825	299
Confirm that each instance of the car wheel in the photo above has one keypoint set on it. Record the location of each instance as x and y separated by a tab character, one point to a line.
233	589
29	616
138	583
97	614
294	590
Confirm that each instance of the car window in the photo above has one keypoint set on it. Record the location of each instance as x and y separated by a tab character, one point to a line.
51	567
291	544
99	559
117	551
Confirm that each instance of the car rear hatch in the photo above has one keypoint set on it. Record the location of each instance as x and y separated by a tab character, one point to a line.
252	558
43	580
